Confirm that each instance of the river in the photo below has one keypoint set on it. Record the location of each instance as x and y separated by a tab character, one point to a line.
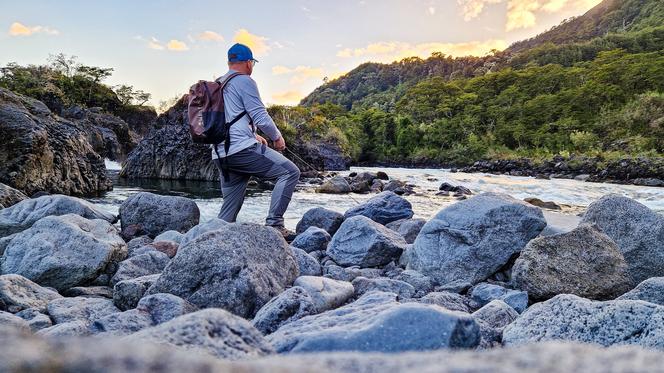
574	195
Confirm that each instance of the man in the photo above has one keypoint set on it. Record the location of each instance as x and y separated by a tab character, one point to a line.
249	154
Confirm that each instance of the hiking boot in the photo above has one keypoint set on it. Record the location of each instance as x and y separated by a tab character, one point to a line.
288	234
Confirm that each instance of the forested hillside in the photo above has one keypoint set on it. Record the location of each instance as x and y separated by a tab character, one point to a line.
593	85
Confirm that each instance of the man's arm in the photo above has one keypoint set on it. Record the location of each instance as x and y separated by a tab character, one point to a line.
253	104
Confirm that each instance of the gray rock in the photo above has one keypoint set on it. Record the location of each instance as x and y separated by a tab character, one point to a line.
208	226
213	331
14	321
127	293
322	218
313	239
64	251
407	228
571	318
422	284
650	290
492	319
136	251
293	304
470	240
152	310
174	236
334	185
336	272
363	242
584	262
447	300
156	214
24	214
84	309
306	263
10	196
383	208
90	291
638	231
375	322
36	320
485	293
4	242
325	292
18	293
137	242
150	263
364	285
77	328
239	268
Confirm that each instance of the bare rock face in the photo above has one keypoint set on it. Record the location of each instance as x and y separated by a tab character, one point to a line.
584	262
43	152
10	196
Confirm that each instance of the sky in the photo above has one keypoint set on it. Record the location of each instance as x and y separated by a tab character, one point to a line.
163	47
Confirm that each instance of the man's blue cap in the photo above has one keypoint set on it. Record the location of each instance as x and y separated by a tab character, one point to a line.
240	53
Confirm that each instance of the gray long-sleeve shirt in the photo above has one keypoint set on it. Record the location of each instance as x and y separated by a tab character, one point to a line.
241	93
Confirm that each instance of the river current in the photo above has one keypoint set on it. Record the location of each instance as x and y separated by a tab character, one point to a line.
574	196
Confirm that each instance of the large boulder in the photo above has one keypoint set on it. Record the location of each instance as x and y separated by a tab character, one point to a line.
156	214
376	322
212	331
127	293
584	262
40	151
239	268
638	231
64	251
322	218
10	196
493	318
307	264
24	214
470	240
363	242
293	304
650	290
571	318
383	208
18	293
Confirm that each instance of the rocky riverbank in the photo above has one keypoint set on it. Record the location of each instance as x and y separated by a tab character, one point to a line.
156	284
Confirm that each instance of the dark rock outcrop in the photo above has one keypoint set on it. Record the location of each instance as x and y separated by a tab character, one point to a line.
43	152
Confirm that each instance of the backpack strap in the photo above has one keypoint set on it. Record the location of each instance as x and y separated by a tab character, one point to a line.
227	140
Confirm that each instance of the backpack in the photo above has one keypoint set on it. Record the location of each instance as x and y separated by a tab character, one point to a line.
206	115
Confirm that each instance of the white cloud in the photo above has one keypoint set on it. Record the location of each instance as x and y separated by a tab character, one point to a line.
176	45
523	13
19	29
287	97
394	51
299	74
209	36
153	43
258	44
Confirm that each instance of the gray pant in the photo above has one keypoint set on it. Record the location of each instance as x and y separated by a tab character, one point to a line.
260	161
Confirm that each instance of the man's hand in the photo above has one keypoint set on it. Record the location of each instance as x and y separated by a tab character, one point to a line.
261	139
279	144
